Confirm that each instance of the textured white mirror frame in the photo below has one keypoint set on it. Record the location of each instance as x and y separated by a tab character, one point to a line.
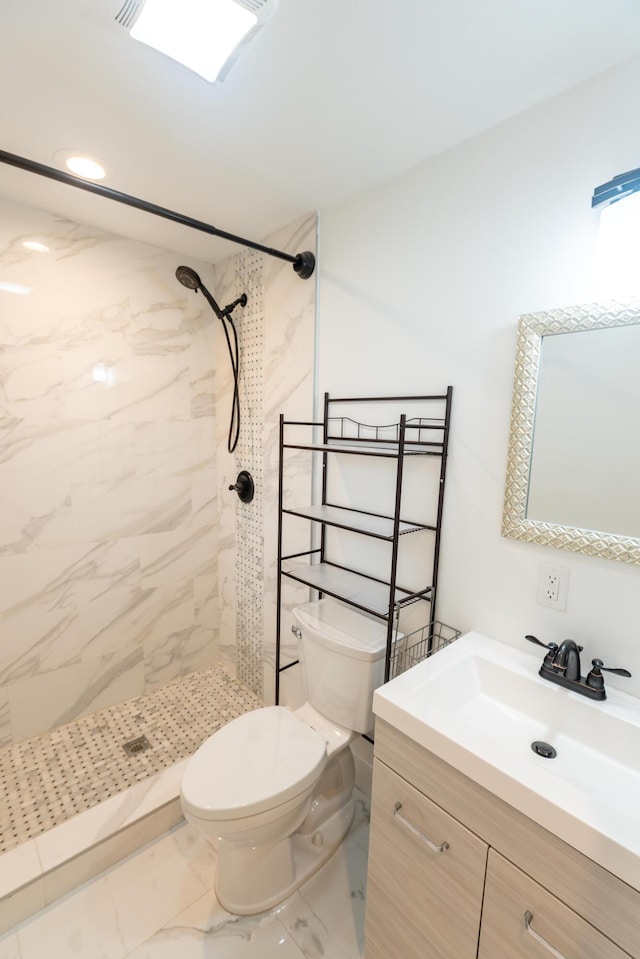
515	525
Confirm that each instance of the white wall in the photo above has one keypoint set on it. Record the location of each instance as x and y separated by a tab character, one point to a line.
421	286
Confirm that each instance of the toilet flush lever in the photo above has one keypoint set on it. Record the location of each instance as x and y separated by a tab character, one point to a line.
297	632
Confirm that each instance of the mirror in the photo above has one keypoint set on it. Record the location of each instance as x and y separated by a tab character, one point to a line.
573	473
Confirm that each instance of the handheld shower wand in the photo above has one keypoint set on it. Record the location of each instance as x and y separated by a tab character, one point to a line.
190	279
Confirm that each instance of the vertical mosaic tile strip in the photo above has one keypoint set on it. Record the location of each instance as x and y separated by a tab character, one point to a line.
249	519
48	779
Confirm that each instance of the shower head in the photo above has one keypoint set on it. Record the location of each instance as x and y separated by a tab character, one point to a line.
188	278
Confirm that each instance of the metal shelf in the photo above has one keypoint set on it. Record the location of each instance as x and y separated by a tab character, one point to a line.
421	436
357	521
357	589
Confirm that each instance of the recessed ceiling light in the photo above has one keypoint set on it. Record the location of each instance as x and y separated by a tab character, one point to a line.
85	167
14	288
35	246
200	34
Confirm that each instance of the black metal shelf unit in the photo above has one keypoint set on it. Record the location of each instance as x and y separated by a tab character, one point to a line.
418	436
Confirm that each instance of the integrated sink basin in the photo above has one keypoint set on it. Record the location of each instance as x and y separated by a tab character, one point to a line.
480	704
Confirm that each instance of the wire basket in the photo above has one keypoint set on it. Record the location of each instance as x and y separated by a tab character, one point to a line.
419	645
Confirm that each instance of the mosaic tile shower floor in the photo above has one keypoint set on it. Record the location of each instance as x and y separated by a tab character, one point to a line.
48	779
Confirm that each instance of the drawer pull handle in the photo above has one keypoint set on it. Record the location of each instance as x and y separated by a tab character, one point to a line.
528	919
442	847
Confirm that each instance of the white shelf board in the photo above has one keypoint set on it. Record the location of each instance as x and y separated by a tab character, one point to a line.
347	585
380	526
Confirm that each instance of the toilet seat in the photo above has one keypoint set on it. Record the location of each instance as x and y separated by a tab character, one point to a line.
259	760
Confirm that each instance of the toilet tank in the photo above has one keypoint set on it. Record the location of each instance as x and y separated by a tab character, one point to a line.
342	655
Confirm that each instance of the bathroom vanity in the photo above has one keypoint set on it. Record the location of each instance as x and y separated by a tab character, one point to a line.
458	870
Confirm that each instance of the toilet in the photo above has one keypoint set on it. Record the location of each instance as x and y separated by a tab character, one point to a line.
272	790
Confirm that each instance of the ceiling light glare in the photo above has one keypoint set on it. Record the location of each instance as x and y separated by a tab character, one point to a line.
35	246
102	373
85	167
14	288
199	34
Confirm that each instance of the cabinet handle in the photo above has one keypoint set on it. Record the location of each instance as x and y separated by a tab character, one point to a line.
528	919
442	847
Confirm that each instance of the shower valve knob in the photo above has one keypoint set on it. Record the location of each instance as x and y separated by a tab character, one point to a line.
244	486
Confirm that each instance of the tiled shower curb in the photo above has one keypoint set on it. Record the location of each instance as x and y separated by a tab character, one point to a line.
36	873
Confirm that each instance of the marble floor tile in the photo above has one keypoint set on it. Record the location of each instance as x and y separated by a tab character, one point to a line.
159	904
326	916
206	931
83	924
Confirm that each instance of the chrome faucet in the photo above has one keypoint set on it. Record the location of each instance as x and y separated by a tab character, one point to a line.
561	665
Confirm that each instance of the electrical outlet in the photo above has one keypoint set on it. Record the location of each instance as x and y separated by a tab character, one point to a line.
553	586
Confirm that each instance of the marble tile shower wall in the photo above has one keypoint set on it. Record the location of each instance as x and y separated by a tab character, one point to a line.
108	525
277	335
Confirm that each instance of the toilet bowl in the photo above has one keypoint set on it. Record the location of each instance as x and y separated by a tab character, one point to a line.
272	790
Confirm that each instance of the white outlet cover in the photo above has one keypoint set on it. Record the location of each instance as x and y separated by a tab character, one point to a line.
559	574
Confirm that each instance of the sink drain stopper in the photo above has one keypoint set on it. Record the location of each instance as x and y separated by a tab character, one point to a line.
545	750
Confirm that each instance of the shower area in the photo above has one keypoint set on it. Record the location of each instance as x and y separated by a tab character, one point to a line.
137	591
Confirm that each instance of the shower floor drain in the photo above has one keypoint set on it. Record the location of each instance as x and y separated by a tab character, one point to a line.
135	746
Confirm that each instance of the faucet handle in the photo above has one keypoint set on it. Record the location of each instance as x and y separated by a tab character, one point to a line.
595	680
552	647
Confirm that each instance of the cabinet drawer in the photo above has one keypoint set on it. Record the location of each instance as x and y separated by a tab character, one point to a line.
551	929
598	896
420	902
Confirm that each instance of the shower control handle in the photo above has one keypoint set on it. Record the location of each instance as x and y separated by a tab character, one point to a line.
244	486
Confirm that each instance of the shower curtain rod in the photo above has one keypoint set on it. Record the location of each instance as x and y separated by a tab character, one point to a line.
303	263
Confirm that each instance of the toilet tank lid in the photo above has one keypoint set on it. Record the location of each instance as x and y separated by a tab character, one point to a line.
262	755
344	629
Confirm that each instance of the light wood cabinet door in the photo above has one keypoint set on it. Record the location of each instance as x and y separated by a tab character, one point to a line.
421	903
521	920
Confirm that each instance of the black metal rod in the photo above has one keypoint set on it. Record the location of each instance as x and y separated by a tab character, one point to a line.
325	465
394	549
306	552
288	666
384	399
436	545
302	423
279	561
303	263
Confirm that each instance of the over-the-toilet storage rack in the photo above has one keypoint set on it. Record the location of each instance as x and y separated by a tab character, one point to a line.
407	438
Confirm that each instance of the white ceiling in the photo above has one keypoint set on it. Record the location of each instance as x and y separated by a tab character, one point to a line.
332	98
